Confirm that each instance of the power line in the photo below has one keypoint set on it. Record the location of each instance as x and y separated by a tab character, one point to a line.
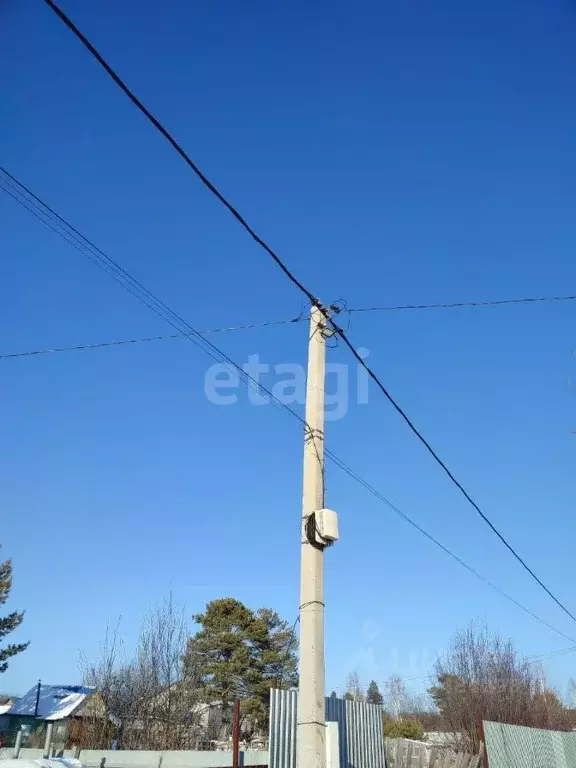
113	342
87	248
553	654
445	468
288	651
545	656
24	196
234	211
121	342
289	274
183	154
462	304
435	541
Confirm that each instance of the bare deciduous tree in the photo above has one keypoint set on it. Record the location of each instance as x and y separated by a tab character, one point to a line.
150	700
395	696
354	690
482	677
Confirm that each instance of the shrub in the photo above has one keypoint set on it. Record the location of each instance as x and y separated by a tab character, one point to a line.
403	729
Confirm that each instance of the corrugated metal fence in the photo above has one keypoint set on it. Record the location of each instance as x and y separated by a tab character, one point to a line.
516	746
360	732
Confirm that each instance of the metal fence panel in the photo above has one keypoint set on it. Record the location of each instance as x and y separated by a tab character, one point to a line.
360	732
517	746
282	734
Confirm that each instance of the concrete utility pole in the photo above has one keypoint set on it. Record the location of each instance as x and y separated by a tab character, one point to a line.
311	730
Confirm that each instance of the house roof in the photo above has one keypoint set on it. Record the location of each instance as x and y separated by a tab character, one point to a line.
56	701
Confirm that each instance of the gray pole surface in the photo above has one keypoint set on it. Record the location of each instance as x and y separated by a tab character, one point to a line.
18	744
311	729
48	742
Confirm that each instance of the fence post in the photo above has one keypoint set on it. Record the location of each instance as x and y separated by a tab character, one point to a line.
48	742
236	735
483	750
483	761
18	744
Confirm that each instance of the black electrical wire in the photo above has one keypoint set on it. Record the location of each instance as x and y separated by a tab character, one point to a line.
146	339
91	251
85	246
24	196
464	304
312	298
448	472
183	154
299	319
435	541
288	650
248	326
289	274
545	656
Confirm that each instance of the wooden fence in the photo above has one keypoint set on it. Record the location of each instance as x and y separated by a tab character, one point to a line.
403	753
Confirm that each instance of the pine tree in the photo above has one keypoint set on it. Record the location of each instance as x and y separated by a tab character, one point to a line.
10	622
241	654
274	651
223	649
274	663
373	695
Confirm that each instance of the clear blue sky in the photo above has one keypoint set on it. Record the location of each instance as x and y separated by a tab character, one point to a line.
395	152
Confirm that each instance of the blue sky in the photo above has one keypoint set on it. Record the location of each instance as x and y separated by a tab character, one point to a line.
392	153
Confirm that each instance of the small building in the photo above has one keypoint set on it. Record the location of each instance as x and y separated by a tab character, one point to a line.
6	703
47	703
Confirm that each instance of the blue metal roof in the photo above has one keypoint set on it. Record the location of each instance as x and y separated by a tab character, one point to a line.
56	701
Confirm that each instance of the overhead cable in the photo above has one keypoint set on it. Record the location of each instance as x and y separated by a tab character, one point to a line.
435	541
309	294
86	247
301	318
547	655
464	304
183	154
146	339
